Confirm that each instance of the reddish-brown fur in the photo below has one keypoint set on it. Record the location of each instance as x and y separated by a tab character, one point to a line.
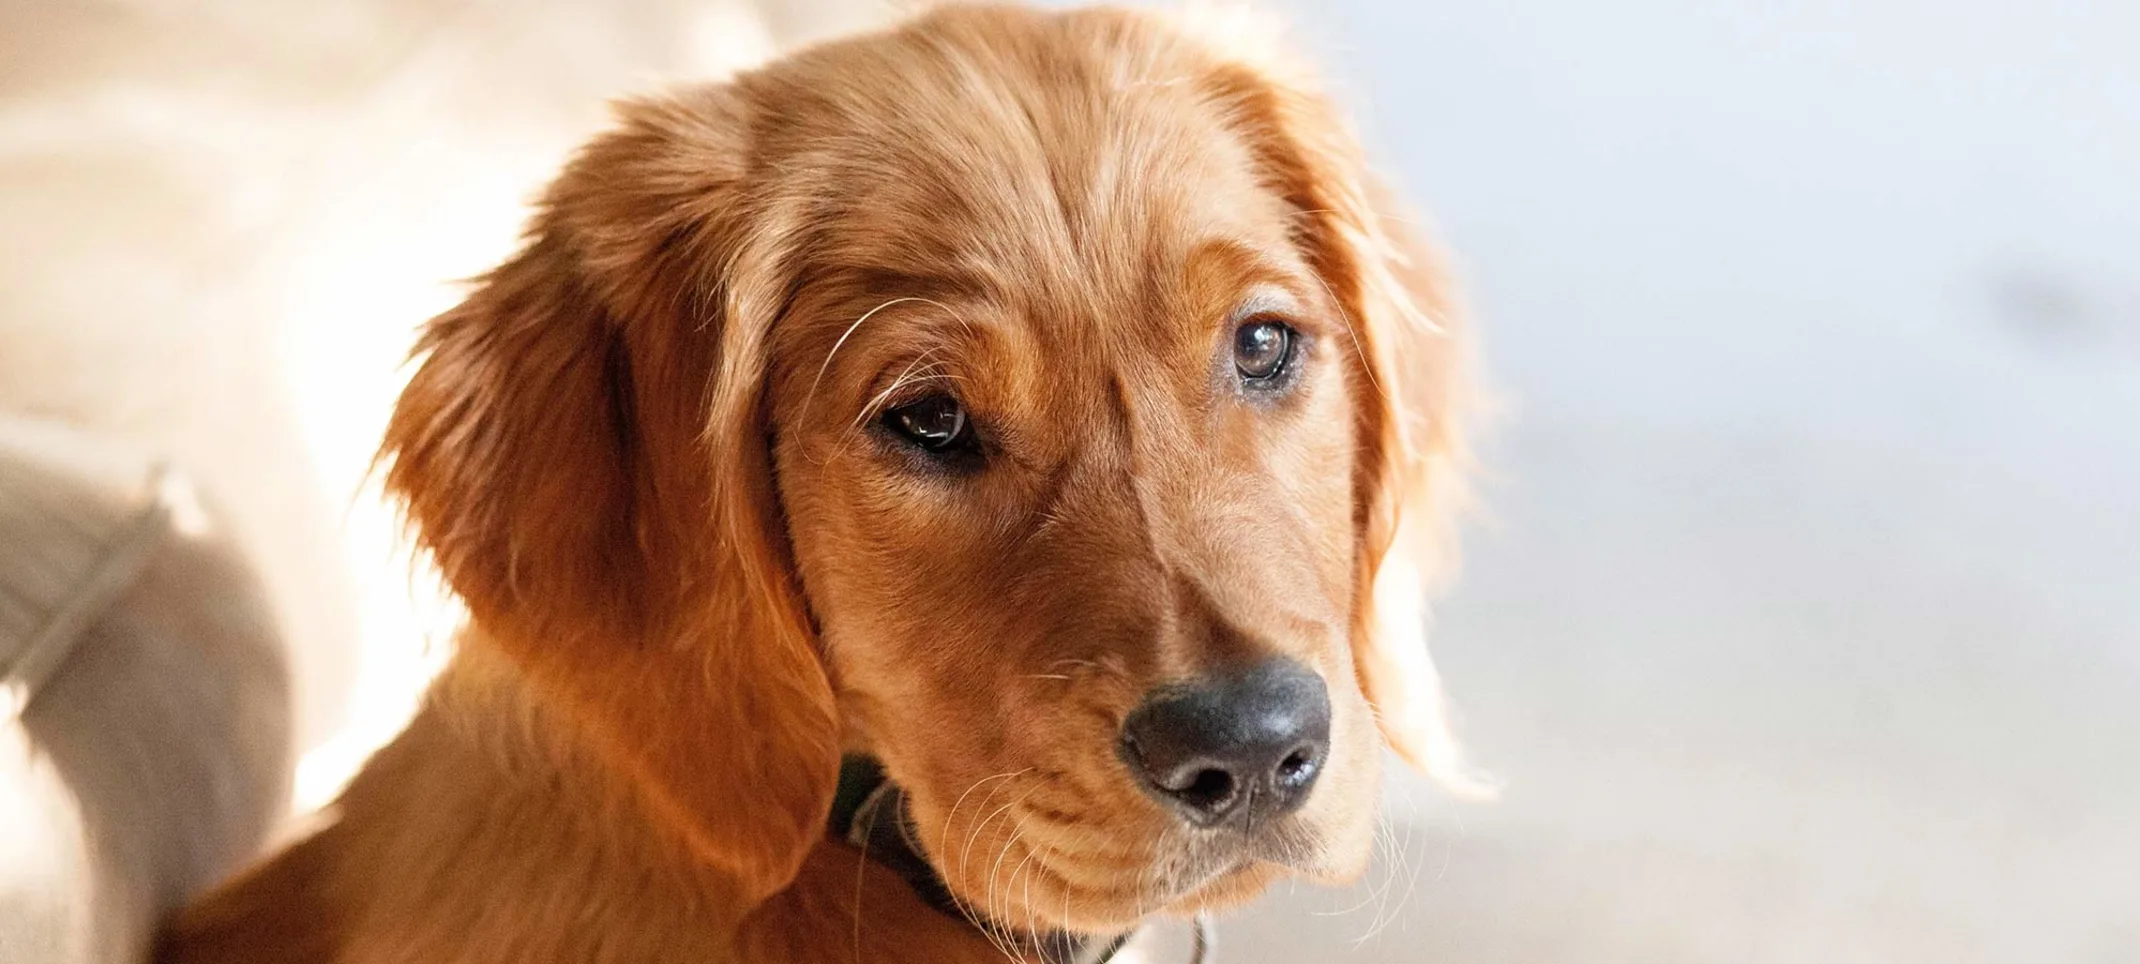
642	453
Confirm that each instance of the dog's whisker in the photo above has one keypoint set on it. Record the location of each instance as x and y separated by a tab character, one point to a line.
1413	834
1040	866
996	869
906	377
921	372
1398	860
1380	843
811	396
989	884
974	830
945	836
1352	332
1411	887
995	915
1393	860
1409	870
1398	865
997	907
966	851
861	875
1068	892
1012	882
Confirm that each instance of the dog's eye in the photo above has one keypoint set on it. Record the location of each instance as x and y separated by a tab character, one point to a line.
936	424
1262	349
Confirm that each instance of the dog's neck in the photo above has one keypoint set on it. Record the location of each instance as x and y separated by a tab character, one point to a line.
490	758
490	777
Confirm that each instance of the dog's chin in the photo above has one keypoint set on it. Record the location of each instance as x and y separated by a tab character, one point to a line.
1032	856
1173	876
1102	909
1230	888
1256	863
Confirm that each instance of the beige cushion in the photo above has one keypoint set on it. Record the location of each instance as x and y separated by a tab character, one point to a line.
144	713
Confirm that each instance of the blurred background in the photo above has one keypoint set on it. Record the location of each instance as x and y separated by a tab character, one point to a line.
1801	622
1803	619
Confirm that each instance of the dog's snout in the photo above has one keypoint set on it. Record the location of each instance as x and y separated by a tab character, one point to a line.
1239	747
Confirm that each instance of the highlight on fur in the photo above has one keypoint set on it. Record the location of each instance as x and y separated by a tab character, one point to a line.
558	449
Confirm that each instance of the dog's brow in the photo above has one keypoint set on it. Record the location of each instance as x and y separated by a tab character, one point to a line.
1264	298
941	282
1242	257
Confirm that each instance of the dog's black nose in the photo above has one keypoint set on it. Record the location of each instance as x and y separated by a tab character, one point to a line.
1240	747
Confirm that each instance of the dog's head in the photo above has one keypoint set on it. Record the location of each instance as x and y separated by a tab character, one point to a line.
1039	402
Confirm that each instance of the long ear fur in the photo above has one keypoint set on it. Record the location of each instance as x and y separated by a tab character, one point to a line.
1412	357
584	451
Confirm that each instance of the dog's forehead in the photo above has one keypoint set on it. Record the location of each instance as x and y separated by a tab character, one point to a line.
1054	182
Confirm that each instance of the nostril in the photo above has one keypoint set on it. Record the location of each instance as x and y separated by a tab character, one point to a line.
1209	790
1297	769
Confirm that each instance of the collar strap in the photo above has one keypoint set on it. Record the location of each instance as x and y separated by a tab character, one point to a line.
869	811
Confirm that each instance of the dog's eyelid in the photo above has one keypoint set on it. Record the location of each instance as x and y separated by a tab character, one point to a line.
910	378
926	359
912	390
1274	304
1264	302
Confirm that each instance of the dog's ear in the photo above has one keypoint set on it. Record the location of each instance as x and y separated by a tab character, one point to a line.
584	451
1409	374
1412	338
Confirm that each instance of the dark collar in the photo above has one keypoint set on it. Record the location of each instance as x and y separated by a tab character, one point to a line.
870	812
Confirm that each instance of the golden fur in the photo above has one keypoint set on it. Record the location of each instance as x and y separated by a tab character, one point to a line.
643	453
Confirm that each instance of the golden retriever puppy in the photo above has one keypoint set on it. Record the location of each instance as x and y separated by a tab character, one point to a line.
1039	406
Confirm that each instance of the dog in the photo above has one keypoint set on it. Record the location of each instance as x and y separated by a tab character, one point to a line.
1042	412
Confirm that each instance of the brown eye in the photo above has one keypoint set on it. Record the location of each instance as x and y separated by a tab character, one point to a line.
935	424
1261	350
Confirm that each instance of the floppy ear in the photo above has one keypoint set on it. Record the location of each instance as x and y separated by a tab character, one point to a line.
1410	377
583	450
1414	341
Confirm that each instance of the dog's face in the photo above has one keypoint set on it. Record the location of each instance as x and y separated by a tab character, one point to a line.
1056	390
1068	437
